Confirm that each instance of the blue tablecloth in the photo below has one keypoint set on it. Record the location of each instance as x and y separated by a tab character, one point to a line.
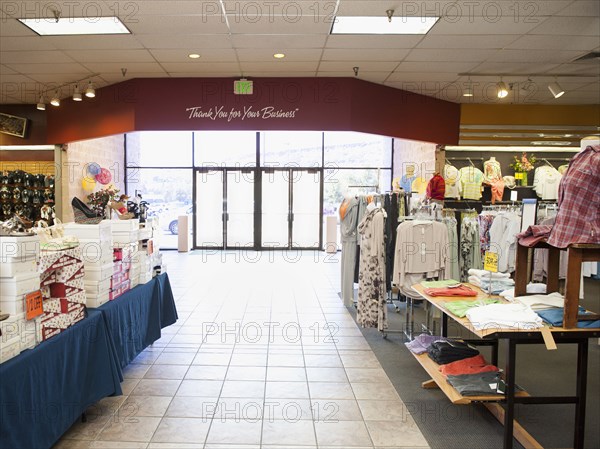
43	391
135	319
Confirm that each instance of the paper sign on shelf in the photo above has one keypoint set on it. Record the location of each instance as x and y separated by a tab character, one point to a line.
34	304
514	195
490	262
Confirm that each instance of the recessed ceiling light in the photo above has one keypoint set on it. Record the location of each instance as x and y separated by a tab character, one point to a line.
382	25
75	26
279	55
193	56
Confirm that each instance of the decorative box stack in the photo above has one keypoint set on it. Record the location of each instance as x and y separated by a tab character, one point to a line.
97	251
125	247
63	290
18	277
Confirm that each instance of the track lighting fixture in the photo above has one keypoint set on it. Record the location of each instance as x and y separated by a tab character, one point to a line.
90	92
77	94
556	90
469	89
502	89
55	100
41	106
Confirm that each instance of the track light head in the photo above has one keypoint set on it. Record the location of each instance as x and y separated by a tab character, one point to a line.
55	100
556	90
41	106
502	89
77	94
90	92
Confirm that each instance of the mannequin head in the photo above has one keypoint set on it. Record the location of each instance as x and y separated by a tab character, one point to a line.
590	141
410	171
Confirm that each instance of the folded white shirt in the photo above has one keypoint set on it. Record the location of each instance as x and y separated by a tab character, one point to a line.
504	316
486	274
541	302
495	282
532	287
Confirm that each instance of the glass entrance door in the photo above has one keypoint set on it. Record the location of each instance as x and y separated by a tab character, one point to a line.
306	208
275	207
224	208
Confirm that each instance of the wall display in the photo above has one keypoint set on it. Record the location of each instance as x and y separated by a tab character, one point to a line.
13	125
30	196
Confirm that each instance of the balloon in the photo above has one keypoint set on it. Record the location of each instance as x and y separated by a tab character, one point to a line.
88	184
104	177
93	168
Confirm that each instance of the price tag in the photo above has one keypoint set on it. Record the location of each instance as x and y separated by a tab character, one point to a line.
33	304
514	195
490	262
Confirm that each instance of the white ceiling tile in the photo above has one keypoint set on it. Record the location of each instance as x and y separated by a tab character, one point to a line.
86	56
105	42
583	8
279	66
347	41
550	42
25	43
129	10
48	68
4	70
12	27
430	66
185	41
296	55
374	77
467	25
590	68
194	67
181	55
484	42
104	67
366	66
224	74
347	54
513	67
283	41
279	25
448	55
15	79
570	26
291	74
250	10
533	56
59	78
421	76
50	56
112	78
173	25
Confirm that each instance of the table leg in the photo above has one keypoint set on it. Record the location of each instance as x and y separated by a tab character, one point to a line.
582	362
553	270
574	260
511	359
495	353
444	325
521	270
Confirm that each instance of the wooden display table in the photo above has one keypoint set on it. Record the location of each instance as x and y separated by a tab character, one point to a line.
511	337
576	255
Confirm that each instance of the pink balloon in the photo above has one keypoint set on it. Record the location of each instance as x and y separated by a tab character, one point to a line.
104	177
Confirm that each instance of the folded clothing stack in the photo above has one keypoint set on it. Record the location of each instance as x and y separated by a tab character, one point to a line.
458	290
459	308
478	384
421	342
555	317
504	316
541	302
497	285
448	351
532	288
471	365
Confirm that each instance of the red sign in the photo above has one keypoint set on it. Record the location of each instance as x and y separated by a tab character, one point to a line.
33	304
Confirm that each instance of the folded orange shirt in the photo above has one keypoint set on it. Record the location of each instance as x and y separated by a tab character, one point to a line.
471	365
461	290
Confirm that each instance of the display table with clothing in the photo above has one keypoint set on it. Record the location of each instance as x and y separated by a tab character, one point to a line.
489	335
44	390
136	318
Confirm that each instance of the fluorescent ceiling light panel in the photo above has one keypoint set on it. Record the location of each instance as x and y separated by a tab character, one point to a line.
70	26
382	25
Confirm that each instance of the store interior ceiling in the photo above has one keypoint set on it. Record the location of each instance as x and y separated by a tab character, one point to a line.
529	44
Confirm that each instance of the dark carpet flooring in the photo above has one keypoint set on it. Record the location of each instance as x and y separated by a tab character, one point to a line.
539	371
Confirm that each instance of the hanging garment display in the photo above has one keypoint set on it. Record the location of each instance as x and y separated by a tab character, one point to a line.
503	239
451	180
578	218
363	201
371	306
546	181
406	182
391	205
470	249
348	224
492	175
470	179
419	186
453	269
436	188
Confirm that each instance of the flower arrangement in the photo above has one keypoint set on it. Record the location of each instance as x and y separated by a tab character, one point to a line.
523	164
99	200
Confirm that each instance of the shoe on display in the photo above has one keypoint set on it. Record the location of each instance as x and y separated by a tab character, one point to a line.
83	214
121	210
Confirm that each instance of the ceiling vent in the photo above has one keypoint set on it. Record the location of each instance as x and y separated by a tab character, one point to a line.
589	56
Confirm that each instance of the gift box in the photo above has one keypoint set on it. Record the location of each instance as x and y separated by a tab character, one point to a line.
117	267
11	327
52	305
13	304
70	274
56	320
67	306
77	314
79	298
125	225
100	273
100	232
10	348
19	285
11	267
49	332
94	252
98	300
125	237
53	260
48	277
63	290
95	287
19	248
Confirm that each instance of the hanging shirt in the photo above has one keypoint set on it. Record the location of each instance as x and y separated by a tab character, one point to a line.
451	180
546	182
436	188
470	179
578	218
406	183
491	171
419	185
503	239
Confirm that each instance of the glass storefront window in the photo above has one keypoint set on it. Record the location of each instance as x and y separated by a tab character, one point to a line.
291	149
350	149
169	194
225	149
159	149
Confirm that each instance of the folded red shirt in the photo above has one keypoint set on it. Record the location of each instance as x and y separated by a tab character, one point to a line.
461	290
472	365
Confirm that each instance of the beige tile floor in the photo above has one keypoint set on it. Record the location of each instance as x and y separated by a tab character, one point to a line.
264	355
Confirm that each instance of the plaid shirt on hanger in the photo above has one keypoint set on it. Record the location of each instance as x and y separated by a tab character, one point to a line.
578	218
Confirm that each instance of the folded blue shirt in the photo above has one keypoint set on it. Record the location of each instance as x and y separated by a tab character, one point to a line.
555	317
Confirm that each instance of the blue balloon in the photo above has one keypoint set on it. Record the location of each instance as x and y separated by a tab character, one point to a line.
93	168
